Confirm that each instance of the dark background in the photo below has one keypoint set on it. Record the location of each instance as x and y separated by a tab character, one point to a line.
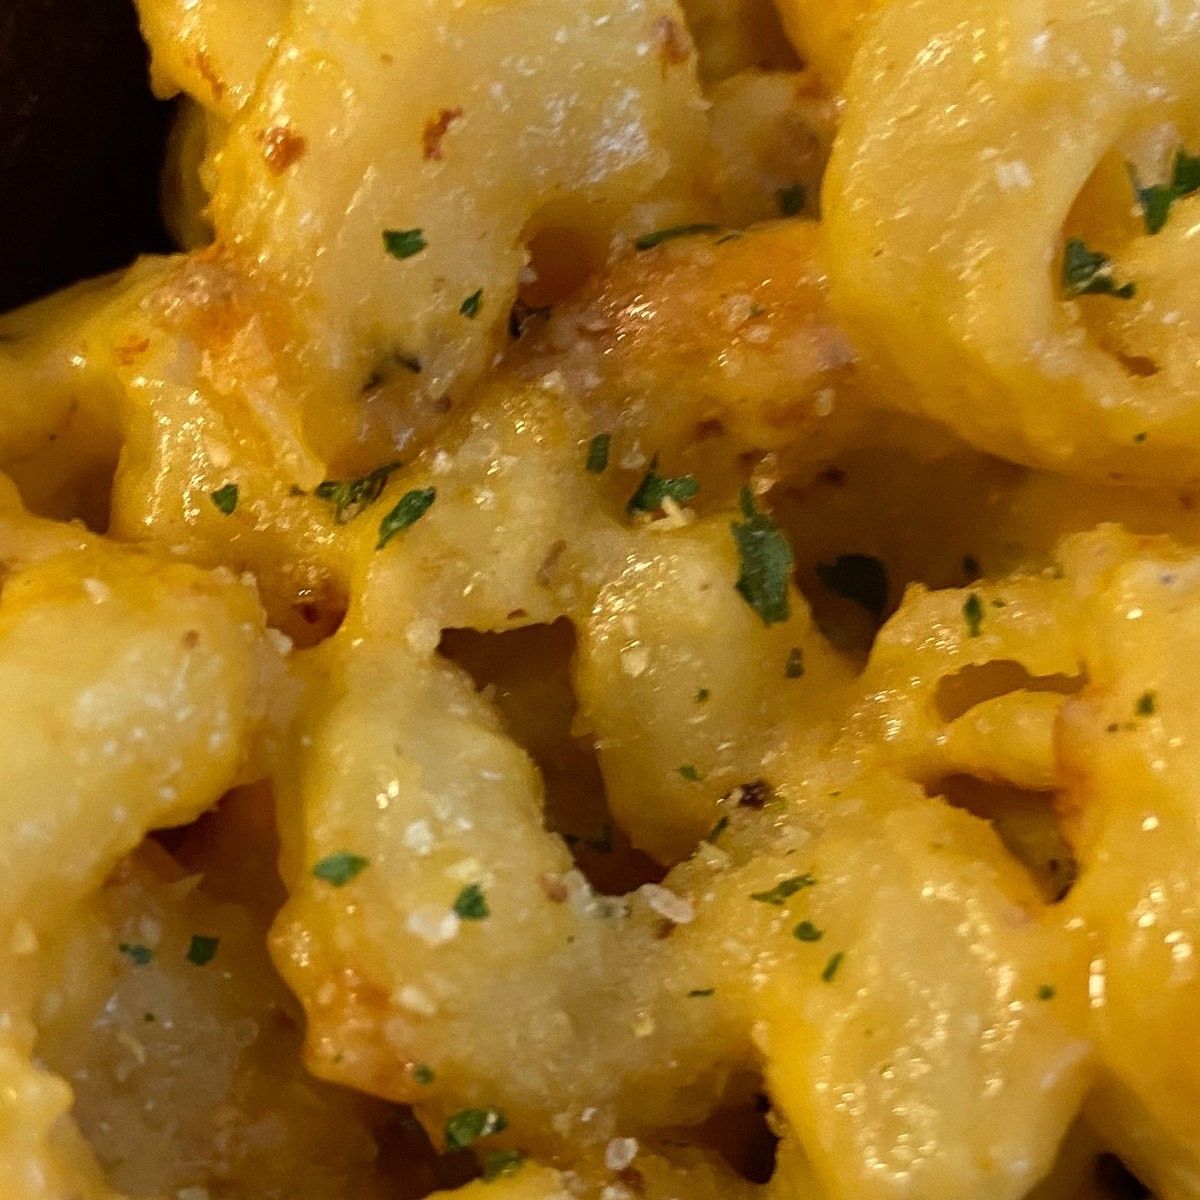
81	144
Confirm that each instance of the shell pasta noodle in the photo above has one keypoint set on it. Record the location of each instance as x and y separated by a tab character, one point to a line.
620	618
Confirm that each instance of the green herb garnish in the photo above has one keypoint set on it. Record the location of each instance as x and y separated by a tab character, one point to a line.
471	1124
470	306
202	949
423	1074
410	508
139	955
793	668
471	904
806	931
689	772
656	488
499	1163
1089	273
339	869
225	498
701	993
597	453
1146	705
403	243
1045	992
766	562
350	496
972	611
831	967
783	890
1156	199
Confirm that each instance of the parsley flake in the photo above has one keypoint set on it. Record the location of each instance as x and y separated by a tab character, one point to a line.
202	949
702	694
790	199
831	967
470	306
339	869
701	993
1156	199
806	931
656	488
718	829
225	499
471	1124
410	508
350	496
1089	273
785	888
649	240
423	1074
403	243
794	667
858	577
972	611
597	453
689	772
471	904
499	1163
1045	992
766	562
139	955
1146	705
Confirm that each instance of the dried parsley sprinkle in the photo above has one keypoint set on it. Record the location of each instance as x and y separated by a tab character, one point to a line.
1089	273
702	694
649	240
656	488
781	891
350	496
766	562
403	243
499	1163
339	869
1146	705
701	993
859	577
806	931
225	499
718	829
690	773
597	453
410	508
794	667
471	1124
137	954
1156	199
423	1074
972	611
1139	438
471	904
1045	992
470	306
831	967
790	200
202	949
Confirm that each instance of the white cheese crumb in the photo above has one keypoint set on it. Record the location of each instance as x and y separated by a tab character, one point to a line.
620	1152
433	925
668	904
97	590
